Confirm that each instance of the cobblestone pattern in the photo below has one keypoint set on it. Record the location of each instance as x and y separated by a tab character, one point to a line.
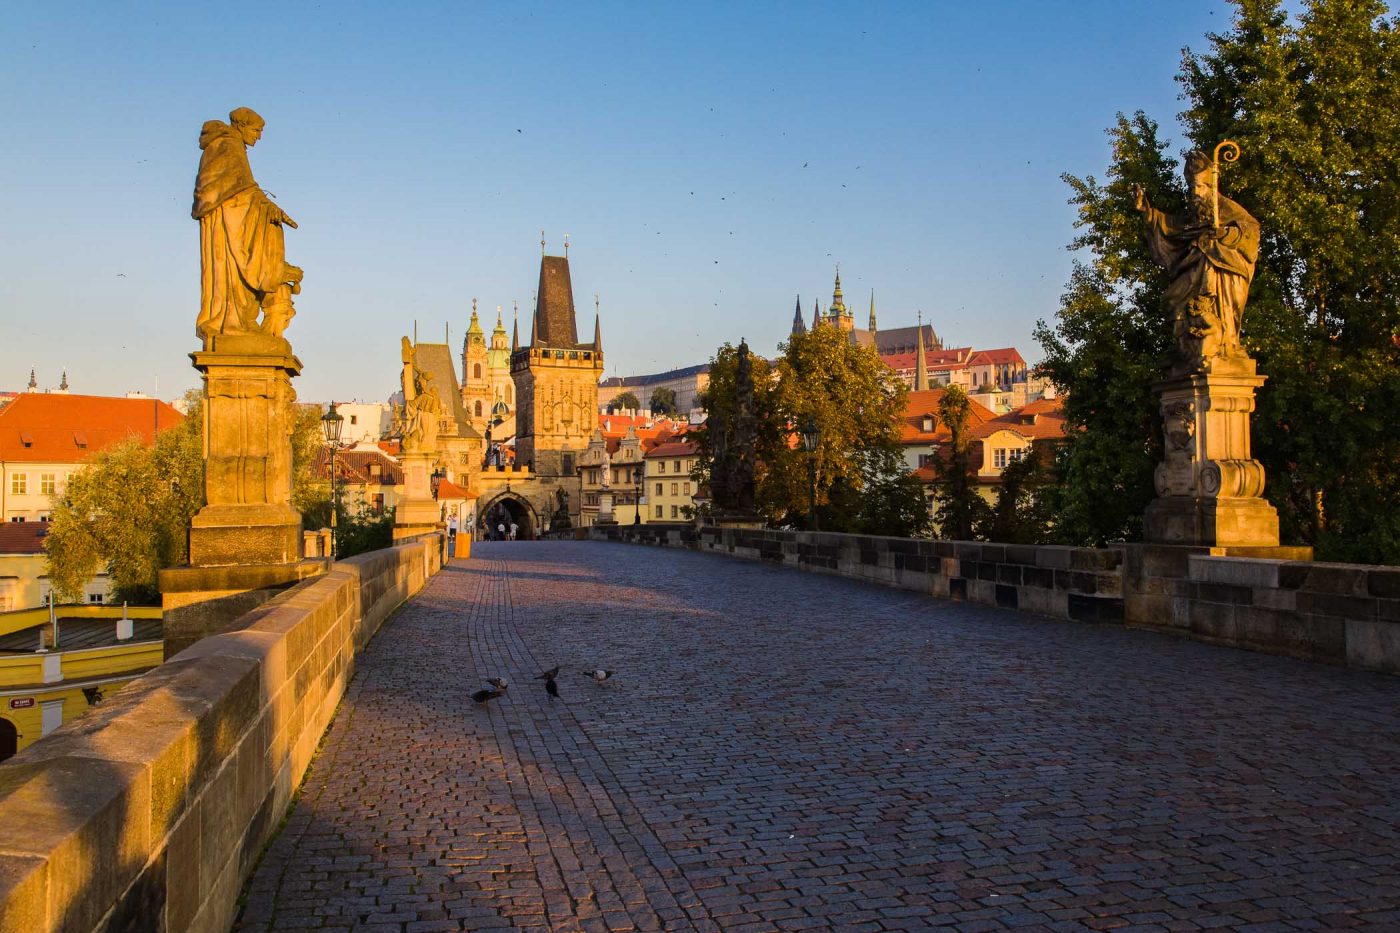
787	751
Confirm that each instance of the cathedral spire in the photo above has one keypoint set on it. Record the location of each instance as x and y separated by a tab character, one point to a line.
597	326
872	310
798	325
920	365
515	329
816	314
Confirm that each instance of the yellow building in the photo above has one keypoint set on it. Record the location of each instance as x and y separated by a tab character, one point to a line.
610	479
47	681
670	489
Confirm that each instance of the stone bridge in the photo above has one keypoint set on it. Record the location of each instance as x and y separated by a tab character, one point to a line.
787	751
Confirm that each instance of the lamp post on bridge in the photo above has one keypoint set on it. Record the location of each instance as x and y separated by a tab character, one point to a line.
811	435
332	422
637	511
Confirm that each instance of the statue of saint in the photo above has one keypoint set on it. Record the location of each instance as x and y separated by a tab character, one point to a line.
422	411
1210	254
242	257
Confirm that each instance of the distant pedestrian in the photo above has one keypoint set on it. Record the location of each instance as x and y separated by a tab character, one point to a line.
452	529
514	529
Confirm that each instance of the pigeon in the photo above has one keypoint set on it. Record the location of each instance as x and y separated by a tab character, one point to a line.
500	683
550	674
599	675
551	688
485	696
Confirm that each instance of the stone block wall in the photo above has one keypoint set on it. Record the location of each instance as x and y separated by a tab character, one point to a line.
1068	583
149	812
1338	613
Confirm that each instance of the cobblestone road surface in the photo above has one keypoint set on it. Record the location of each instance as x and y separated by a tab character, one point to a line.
785	751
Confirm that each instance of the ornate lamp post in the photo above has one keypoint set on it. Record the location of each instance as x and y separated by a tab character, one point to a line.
332	422
811	435
637	511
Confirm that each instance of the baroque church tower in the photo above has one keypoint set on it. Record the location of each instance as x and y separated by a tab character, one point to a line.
556	379
476	381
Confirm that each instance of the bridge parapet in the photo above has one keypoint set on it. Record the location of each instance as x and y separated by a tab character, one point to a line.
150	811
1274	600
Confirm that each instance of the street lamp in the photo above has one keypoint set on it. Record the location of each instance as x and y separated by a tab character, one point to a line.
811	435
637	511
331	423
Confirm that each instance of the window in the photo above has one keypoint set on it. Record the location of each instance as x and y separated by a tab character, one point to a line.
675	512
686	489
677	465
661	466
476	371
999	458
1016	454
47	483
19	484
675	489
354	419
925	460
478	409
17	519
658	512
658	489
377	502
568	464
95	598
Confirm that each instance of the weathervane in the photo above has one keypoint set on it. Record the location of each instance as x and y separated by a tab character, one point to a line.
566	246
1226	151
541	242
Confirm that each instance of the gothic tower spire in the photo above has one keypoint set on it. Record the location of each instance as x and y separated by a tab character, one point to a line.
798	325
872	310
920	365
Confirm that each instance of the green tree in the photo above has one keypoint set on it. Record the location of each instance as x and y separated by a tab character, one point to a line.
311	492
1024	510
626	401
959	508
127	511
359	528
1314	103
663	402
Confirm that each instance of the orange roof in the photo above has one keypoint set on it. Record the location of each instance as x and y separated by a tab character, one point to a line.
39	427
925	402
450	490
1041	420
673	448
941	360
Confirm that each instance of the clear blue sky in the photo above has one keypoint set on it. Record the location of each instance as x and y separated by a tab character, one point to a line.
709	161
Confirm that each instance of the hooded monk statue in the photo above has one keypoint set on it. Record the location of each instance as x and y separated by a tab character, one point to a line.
242	256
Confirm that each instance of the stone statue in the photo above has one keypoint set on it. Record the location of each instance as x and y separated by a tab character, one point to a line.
242	257
1210	251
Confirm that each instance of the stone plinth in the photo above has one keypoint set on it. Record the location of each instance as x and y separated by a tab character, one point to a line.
417	512
1209	488
248	518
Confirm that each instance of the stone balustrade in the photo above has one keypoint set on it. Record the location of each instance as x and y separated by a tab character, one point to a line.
150	812
1338	613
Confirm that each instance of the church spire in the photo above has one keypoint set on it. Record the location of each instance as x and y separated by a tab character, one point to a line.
33	382
920	365
872	310
597	326
816	314
798	325
63	385
515	329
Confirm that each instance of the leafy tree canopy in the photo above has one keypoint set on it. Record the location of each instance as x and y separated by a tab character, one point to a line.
1314	102
663	401
626	401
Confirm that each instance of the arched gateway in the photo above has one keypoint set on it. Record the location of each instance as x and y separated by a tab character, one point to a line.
508	507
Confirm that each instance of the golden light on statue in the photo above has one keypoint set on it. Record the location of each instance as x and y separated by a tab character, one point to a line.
1227	150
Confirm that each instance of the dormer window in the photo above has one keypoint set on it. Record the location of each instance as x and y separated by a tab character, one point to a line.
26	438
80	438
928	424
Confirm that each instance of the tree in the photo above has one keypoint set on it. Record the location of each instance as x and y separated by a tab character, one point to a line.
359	528
626	401
1025	506
663	402
1315	106
959	507
127	511
719	399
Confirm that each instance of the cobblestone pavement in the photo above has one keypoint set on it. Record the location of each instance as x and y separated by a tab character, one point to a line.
787	751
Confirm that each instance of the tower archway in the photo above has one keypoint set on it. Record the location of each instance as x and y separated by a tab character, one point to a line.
508	507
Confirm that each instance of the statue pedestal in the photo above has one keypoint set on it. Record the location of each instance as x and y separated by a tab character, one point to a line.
605	509
248	518
417	512
1209	489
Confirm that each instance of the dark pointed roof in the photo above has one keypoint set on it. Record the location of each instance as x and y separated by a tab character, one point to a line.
799	326
436	360
555	325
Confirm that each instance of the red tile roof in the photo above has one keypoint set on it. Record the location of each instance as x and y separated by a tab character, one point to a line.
40	427
941	360
673	448
1002	356
925	402
23	537
450	490
353	466
1041	420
